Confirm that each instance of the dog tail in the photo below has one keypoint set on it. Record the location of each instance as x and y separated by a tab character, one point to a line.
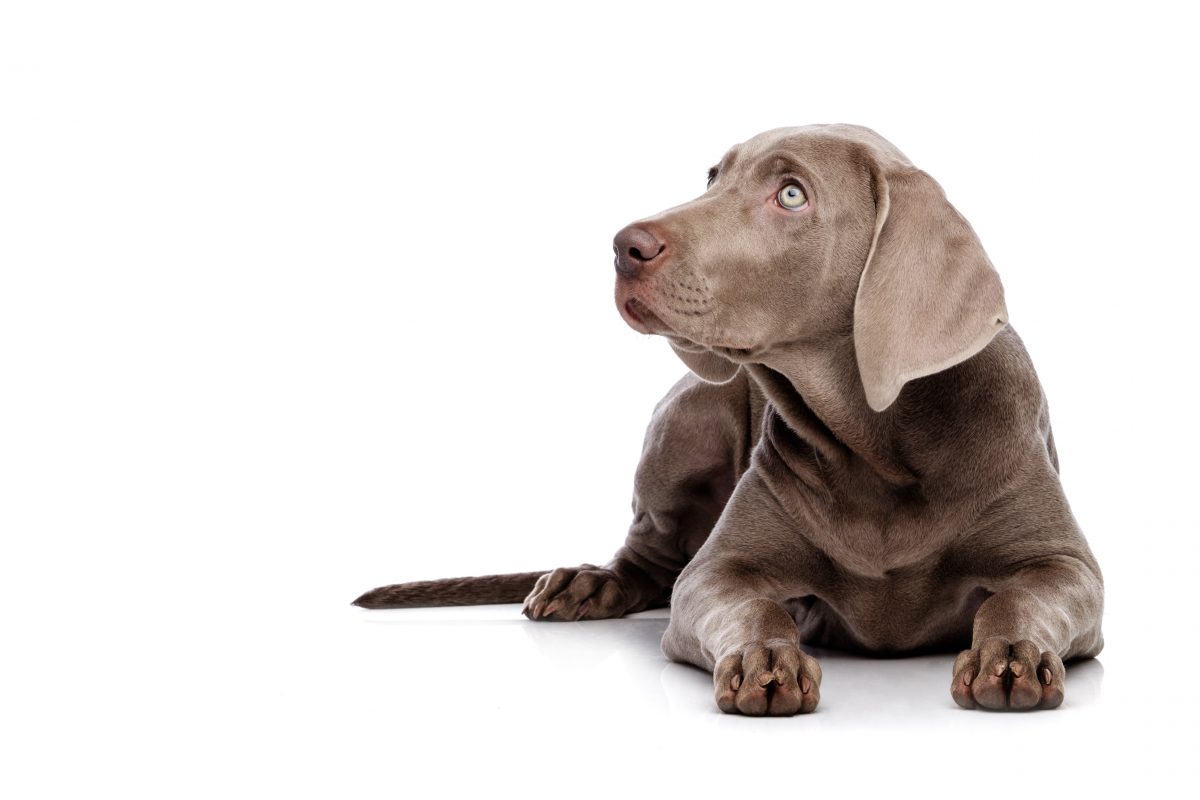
476	591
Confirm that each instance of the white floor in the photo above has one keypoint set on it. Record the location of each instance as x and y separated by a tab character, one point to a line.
301	298
340	702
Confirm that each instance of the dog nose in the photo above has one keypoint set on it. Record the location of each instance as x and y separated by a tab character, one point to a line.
636	249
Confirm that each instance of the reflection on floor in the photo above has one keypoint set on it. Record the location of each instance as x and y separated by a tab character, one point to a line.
854	689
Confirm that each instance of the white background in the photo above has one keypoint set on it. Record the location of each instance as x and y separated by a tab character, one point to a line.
302	298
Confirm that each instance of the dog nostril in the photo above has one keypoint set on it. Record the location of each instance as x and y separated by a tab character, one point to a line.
637	253
637	248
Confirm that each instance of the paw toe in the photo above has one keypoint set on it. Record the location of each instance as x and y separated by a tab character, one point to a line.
1001	675
767	680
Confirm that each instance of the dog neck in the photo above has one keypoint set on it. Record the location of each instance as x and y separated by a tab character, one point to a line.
815	388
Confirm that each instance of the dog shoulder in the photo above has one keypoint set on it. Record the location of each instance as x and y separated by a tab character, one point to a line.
985	415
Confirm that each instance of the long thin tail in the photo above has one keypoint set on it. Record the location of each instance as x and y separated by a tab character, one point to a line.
476	591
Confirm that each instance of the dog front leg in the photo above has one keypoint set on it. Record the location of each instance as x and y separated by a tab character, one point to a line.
1042	615
697	445
727	613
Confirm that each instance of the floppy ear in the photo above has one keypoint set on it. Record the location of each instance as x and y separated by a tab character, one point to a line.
928	297
706	364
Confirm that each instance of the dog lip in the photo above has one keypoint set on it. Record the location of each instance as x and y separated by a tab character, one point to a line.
632	316
641	318
631	312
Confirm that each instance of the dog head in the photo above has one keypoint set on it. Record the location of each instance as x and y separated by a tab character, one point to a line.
810	234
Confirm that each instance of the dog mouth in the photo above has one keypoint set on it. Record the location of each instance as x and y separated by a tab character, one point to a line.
642	319
639	317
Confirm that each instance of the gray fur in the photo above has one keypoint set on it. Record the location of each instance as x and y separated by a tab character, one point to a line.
862	457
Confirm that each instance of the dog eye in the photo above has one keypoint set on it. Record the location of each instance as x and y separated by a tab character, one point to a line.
792	196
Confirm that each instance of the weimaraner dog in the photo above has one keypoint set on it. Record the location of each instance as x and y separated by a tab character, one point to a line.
861	457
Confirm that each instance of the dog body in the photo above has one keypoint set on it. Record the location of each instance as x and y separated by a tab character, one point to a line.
862	457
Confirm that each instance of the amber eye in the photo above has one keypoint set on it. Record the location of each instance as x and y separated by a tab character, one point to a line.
792	197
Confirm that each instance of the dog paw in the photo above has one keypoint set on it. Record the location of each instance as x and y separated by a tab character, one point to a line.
571	593
773	678
1000	674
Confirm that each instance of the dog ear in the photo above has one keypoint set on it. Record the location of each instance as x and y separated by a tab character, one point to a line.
706	364
928	297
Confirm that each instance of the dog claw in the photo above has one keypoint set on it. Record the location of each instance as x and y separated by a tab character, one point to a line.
1022	679
585	592
767	679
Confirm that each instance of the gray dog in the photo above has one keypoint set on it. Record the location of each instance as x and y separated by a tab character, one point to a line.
862	457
